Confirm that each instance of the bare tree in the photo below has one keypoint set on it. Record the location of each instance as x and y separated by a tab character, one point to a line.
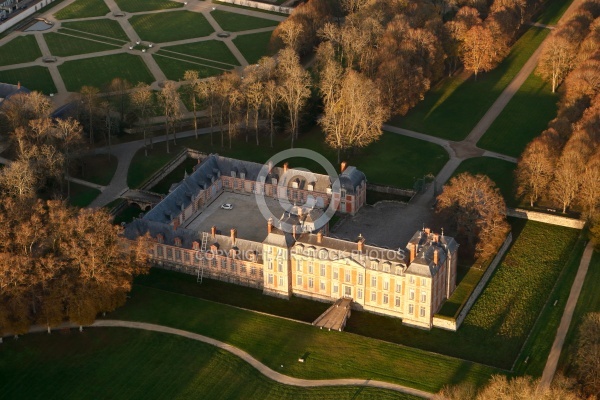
69	133
294	87
142	100
192	90
19	179
119	89
478	51
535	169
271	98
290	32
589	192
568	173
556	60
89	98
170	103
587	359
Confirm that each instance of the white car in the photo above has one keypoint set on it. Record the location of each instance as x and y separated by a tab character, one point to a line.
227	206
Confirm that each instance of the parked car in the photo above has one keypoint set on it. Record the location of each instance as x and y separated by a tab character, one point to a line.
227	206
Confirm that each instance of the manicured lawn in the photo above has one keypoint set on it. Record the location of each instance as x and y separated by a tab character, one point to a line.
120	363
33	78
95	168
234	22
253	46
276	342
393	160
174	67
251	8
453	108
500	171
554	9
525	117
209	50
62	45
21	49
102	27
462	292
82	196
83	9
146	5
171	26
99	71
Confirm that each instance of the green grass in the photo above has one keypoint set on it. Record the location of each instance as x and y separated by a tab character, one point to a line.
174	69
62	45
97	168
21	49
171	26
393	160
93	37
83	9
120	363
500	171
374	197
453	108
250	8
234	22
553	10
99	71
146	5
462	292
33	78
253	46
82	196
102	27
524	118
274	342
209	50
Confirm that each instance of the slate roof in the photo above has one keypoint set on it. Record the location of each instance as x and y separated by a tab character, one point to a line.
427	243
7	90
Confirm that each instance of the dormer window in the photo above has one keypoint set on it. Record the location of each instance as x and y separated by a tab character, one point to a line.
160	238
295	184
373	264
386	267
242	175
177	241
311	187
274	181
195	245
233	174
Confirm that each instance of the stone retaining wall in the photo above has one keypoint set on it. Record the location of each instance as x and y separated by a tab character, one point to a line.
546	218
23	15
390	189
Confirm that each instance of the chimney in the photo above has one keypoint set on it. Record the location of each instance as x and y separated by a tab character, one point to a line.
19	85
319	237
411	249
294	231
361	243
233	235
299	211
435	238
285	167
213	231
270	225
343	166
427	231
270	166
435	257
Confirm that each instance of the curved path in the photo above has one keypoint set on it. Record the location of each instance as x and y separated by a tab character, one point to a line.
263	369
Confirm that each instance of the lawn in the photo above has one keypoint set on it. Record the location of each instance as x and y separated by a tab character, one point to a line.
234	22
500	171
62	45
120	363
33	78
453	107
213	51
83	9
553	10
253	46
275	342
174	67
98	168
393	160
21	49
171	26
102	27
146	5
82	196
463	290
99	71
524	117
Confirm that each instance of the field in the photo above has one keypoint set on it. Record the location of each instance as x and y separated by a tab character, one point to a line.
82	196
554	9
146	5
95	168
210	51
453	108
102	27
21	49
83	9
99	71
174	67
66	45
519	122
33	78
253	46
125	364
171	26
234	22
500	171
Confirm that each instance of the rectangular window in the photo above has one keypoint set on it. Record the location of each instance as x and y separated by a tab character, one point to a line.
411	309
178	254
311	269
270	279
299	280
186	257
223	264
335	273
169	253
281	281
280	265
422	312
232	266
299	266
311	283
398	301
386	285
374	281
347	276
423	282
322	286
398	288
359	293
159	251
243	269
335	289
373	296
385	299
253	271
411	294
270	265
423	297
412	279
322	269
